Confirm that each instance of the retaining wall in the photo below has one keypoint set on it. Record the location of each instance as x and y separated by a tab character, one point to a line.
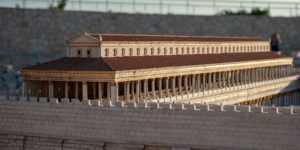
53	125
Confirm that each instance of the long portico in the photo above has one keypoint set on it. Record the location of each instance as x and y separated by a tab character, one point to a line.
154	68
167	88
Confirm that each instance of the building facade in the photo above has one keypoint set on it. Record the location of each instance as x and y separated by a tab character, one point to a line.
157	68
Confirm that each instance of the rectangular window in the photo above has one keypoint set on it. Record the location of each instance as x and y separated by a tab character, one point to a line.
88	53
79	53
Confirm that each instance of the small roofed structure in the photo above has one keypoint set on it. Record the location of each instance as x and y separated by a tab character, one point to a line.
123	67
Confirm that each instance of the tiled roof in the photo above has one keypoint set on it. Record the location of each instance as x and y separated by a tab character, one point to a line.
145	62
141	37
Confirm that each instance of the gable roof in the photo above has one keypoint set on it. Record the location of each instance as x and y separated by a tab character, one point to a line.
143	37
147	62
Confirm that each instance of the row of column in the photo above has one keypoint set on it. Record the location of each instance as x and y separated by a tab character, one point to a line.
279	100
155	88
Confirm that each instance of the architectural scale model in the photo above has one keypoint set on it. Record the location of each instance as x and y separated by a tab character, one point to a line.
161	68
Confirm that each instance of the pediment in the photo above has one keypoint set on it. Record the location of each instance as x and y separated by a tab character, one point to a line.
83	39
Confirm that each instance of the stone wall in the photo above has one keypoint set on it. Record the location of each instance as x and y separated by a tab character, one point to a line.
29	37
165	126
33	36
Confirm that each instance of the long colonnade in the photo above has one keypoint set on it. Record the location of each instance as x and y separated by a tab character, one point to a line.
155	88
280	99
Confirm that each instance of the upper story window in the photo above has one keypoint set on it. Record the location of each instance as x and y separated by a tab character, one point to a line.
158	51
177	50
79	53
123	51
165	51
106	52
198	50
115	52
138	51
171	50
130	51
88	53
152	51
145	51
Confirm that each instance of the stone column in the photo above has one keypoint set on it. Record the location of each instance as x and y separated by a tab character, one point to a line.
145	89
24	89
167	87
193	83
214	80
180	85
100	91
84	91
199	82
228	78
237	78
252	75
186	84
137	90
219	80
224	79
232	78
114	90
209	81
132	90
127	85
108	91
204	82
153	88
160	87
50	89
66	90
173	86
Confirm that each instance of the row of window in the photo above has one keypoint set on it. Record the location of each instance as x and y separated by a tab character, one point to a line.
186	50
80	53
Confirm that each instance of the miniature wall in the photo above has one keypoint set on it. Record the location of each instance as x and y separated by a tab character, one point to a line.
34	36
49	125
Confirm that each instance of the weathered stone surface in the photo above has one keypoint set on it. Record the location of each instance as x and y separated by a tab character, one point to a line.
65	126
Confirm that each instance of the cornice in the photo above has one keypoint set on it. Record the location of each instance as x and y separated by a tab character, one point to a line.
141	74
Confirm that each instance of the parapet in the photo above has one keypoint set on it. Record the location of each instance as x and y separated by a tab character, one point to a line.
292	110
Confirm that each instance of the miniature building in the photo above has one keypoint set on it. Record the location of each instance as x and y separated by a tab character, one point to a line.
158	68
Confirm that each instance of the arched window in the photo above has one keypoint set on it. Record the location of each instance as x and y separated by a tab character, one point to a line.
182	50
193	50
188	50
115	52
152	51
130	51
145	51
123	51
171	50
177	50
158	51
106	52
138	51
165	51
198	50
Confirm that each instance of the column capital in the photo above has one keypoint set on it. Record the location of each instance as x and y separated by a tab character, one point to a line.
113	83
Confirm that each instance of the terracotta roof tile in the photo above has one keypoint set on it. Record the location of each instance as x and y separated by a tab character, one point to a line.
142	37
145	62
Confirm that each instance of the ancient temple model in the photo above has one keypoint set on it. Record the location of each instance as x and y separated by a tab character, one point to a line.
158	68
